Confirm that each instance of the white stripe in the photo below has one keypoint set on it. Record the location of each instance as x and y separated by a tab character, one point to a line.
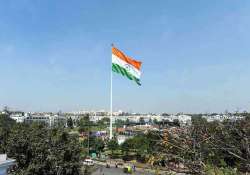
131	69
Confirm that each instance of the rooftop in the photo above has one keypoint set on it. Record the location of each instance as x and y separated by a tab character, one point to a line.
4	161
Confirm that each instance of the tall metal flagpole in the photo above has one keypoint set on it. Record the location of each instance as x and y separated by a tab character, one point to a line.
111	100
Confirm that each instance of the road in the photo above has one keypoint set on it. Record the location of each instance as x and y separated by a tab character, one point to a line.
102	170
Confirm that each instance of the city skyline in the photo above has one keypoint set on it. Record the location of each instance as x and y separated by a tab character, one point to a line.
57	55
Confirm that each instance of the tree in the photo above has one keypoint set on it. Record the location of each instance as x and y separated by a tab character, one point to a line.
70	122
103	122
150	121
99	145
141	121
126	146
219	144
176	122
120	123
142	145
95	144
113	145
127	121
106	120
84	124
155	121
6	123
42	151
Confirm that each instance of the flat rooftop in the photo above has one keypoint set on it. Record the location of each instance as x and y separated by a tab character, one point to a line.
4	161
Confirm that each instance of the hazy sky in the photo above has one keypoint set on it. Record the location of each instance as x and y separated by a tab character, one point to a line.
55	54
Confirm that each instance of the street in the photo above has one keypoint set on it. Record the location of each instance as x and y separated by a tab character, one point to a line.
102	170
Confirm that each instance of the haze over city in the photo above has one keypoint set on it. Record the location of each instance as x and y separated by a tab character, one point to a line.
57	56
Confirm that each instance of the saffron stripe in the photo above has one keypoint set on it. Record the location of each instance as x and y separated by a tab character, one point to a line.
131	69
121	55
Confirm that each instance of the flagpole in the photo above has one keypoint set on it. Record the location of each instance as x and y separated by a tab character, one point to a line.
111	101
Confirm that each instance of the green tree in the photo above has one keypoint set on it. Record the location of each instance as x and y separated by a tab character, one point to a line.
141	121
42	151
120	123
84	124
95	144
155	121
6	123
103	123
176	122
127	122
70	122
99	145
113	146
142	145
106	120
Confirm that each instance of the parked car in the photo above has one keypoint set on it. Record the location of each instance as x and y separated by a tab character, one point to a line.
88	162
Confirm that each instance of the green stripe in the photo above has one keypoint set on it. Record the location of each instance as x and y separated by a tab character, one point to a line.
120	70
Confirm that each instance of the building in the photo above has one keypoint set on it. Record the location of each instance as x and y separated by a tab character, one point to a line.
50	120
183	119
19	117
222	117
5	164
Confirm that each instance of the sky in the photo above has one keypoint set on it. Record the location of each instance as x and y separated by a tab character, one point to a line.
56	55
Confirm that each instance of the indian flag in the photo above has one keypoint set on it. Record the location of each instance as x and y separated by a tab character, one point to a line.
126	66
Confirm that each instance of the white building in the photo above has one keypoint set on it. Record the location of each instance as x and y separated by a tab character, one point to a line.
183	119
50	120
222	117
19	117
5	163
